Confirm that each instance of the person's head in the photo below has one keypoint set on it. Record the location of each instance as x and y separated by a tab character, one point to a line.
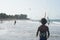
43	21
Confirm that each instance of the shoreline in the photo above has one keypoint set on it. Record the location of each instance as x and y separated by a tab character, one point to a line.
12	19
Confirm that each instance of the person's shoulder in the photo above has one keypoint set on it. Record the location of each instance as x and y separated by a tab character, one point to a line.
46	26
40	26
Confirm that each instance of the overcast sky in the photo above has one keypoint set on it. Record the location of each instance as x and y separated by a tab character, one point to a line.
35	9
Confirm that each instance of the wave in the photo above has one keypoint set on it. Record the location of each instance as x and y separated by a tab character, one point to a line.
57	22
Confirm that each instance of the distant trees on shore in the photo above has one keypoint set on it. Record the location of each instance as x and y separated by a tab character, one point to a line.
5	16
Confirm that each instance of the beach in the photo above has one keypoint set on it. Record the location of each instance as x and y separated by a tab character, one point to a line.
26	30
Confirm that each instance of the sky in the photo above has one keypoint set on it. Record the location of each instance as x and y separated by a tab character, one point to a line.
35	9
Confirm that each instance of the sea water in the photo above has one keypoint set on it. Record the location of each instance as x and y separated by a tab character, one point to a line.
26	30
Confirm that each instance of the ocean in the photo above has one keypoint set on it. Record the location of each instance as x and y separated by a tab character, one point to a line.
26	30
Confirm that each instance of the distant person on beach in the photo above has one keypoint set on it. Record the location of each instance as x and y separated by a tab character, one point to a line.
15	22
44	30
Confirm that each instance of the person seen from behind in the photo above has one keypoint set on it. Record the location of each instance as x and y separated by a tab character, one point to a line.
43	30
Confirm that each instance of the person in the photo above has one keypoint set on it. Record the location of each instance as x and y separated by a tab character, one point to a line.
44	30
15	22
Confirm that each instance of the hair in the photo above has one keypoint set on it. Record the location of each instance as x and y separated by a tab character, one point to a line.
43	21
